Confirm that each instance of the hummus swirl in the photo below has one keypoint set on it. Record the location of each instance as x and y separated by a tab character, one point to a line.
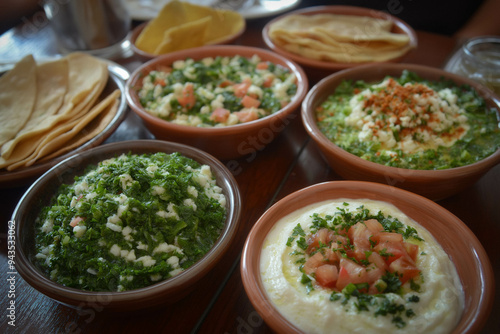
439	293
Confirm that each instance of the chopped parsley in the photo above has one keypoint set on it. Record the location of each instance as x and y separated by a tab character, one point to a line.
129	222
397	122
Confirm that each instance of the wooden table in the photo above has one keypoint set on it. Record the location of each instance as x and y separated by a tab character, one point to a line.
219	303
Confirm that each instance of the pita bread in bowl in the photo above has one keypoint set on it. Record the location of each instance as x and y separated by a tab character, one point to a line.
182	25
74	103
326	39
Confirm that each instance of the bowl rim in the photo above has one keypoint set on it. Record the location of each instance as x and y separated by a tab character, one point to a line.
250	259
139	28
343	9
117	75
224	50
309	121
60	293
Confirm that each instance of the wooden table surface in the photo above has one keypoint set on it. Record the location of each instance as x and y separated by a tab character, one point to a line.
219	303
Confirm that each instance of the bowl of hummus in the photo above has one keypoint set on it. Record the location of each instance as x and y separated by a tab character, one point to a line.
365	257
130	225
410	126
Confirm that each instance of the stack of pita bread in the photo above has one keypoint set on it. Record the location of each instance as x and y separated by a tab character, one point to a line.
339	38
51	108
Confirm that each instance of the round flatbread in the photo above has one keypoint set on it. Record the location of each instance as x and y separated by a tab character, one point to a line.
17	97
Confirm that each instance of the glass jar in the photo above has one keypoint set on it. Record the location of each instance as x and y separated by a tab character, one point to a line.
98	27
479	59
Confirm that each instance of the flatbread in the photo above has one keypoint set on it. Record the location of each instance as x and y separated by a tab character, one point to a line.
67	109
184	36
339	38
95	127
86	78
51	87
17	97
64	133
180	25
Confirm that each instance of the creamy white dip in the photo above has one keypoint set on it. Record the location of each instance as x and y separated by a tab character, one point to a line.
441	295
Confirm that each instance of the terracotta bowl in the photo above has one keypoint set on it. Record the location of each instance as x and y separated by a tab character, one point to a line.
458	241
223	142
161	293
148	56
23	176
434	184
317	69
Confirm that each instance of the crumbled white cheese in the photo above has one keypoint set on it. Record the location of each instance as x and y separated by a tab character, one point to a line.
47	226
192	191
112	226
166	248
92	271
190	202
79	230
157	190
147	261
126	180
115	250
419	117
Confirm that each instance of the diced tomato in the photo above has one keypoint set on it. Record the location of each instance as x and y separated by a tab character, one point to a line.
390	246
412	250
390	251
160	82
327	275
250	102
388	237
75	221
241	89
268	81
362	254
343	278
187	98
374	226
226	83
360	238
322	236
405	268
356	273
220	115
247	115
376	259
340	241
313	263
262	65
373	273
330	256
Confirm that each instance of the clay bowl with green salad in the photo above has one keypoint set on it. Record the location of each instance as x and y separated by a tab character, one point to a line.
410	126
126	226
228	100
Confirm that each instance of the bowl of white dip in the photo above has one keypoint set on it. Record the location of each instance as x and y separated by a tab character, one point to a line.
365	257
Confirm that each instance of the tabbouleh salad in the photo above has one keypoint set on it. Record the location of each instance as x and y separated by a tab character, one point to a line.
129	222
409	122
218	91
